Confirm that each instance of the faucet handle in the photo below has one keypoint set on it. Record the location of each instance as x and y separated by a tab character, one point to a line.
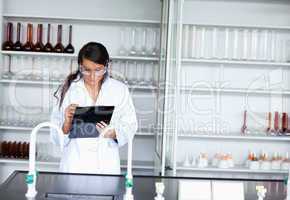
31	177
30	180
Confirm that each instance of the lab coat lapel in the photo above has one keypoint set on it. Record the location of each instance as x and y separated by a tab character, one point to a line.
90	144
100	100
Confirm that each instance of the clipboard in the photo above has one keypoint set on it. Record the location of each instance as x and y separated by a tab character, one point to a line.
85	120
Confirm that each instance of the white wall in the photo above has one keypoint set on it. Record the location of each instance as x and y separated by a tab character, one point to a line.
264	12
127	9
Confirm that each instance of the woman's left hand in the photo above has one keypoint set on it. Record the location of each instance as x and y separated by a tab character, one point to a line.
105	130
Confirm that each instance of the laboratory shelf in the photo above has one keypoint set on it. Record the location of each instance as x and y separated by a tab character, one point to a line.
135	58
235	62
20	128
236	169
235	137
35	54
26	162
147	165
74	56
30	82
57	83
82	20
240	26
142	132
235	90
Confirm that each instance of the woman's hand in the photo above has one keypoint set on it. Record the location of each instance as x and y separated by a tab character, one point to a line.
69	114
105	130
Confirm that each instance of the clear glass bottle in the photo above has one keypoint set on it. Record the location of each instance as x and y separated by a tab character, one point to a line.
133	50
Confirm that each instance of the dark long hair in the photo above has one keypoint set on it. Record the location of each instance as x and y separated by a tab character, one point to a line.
93	51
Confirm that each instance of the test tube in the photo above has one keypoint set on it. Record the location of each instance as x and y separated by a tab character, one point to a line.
235	46
226	53
254	44
202	48
214	43
245	44
185	41
193	42
265	49
273	45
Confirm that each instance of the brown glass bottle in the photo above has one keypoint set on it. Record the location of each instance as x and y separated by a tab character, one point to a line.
28	46
48	47
4	149
276	122
9	149
18	45
58	48
18	150
13	149
269	123
39	45
284	122
27	151
21	151
244	127
24	150
8	44
69	48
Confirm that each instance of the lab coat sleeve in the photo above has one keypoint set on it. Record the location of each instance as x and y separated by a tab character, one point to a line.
57	118
127	125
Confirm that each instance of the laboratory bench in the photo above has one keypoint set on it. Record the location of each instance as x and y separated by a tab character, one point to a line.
56	186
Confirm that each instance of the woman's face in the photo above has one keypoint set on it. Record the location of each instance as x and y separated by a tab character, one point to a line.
92	73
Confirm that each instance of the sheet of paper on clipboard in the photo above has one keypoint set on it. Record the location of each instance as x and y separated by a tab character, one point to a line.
85	120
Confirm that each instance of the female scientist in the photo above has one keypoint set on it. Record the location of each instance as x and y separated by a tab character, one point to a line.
91	85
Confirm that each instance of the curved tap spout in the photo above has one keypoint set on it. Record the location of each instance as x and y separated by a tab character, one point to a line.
32	176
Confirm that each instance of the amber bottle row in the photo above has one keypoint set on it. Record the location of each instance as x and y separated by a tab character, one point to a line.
14	149
39	46
276	123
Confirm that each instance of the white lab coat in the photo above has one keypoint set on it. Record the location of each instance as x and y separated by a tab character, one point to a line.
95	155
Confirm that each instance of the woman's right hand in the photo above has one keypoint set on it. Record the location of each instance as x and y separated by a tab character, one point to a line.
69	114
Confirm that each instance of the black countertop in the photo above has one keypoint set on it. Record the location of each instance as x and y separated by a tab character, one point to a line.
56	186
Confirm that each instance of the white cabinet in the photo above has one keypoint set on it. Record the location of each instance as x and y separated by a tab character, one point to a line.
29	79
227	57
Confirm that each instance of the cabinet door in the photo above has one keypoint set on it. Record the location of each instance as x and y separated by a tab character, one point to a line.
159	145
166	115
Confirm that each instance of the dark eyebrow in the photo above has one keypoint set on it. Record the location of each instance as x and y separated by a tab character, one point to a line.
85	68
